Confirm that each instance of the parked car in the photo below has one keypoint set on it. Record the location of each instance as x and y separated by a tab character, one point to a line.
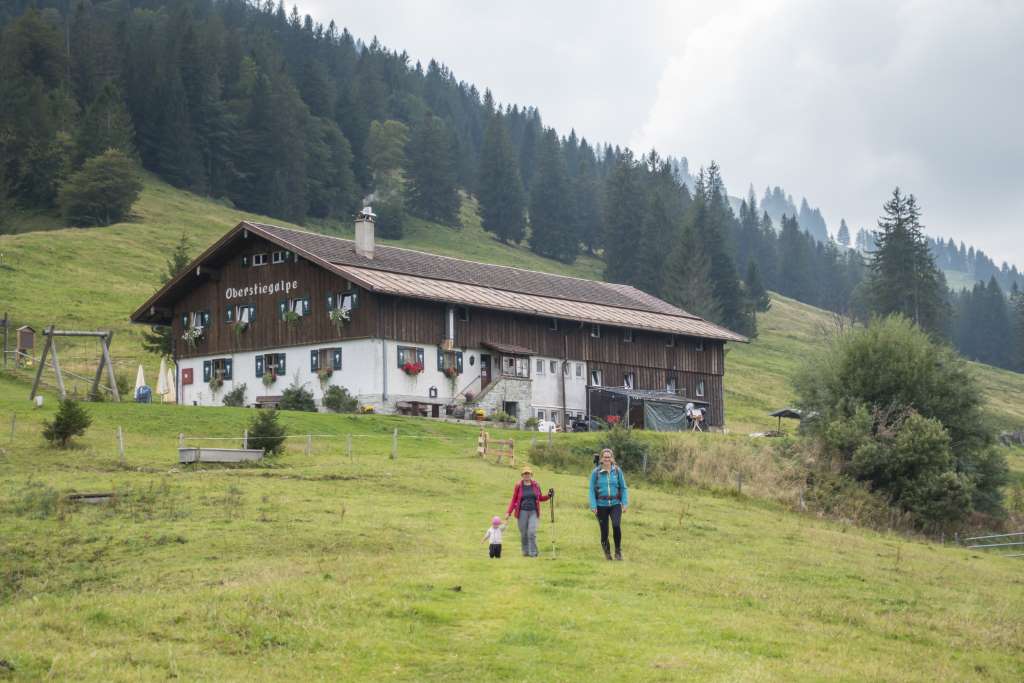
591	424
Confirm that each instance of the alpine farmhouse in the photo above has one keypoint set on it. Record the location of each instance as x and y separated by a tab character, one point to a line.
407	331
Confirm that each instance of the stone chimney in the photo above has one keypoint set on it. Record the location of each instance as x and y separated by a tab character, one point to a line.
364	232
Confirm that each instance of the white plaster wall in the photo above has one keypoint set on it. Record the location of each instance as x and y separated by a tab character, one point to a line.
547	387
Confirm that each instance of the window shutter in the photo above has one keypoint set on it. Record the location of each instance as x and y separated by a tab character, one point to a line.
280	364
440	358
259	366
282	308
314	360
330	302
305	305
336	359
184	321
354	298
458	361
206	318
207	370
252	313
245	261
227	368
419	356
229	314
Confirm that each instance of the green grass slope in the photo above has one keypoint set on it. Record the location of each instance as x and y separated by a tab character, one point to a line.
322	567
94	278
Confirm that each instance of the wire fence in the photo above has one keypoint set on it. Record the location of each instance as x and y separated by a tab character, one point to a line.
1004	545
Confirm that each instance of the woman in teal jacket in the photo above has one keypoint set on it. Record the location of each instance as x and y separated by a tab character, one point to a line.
609	498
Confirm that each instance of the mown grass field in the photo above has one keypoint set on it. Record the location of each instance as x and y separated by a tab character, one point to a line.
318	567
95	278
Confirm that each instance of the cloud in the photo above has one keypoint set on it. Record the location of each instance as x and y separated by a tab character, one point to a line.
841	102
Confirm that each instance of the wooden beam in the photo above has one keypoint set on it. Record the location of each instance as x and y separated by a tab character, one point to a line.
56	368
105	345
42	365
49	331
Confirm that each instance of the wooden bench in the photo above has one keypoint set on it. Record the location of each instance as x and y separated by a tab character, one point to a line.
268	401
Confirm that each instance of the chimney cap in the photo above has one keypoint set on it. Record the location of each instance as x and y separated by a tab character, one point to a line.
367	214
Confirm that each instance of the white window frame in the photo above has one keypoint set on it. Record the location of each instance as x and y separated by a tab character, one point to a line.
243	313
596	378
579	371
629	380
540	414
278	256
595	331
627	335
672	385
259	260
700	388
553	367
539	367
298	306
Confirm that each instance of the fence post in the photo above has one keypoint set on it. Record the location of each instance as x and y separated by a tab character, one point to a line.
349	443
245	439
481	448
549	437
181	440
120	443
14	425
309	444
645	463
533	439
394	444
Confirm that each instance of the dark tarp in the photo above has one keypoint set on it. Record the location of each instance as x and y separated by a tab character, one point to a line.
664	417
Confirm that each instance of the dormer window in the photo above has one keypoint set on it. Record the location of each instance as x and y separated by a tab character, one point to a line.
627	335
259	259
595	331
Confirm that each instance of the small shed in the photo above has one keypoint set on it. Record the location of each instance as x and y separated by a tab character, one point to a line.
791	413
26	339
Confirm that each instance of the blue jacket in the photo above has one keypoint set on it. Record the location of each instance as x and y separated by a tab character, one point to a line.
608	488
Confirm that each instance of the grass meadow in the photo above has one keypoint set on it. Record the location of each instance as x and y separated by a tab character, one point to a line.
326	567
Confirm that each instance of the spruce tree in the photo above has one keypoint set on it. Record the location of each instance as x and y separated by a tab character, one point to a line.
843	236
106	125
431	191
551	227
102	192
159	339
624	215
903	276
500	189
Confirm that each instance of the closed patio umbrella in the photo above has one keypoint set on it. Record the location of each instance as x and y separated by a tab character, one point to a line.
172	395
161	379
140	380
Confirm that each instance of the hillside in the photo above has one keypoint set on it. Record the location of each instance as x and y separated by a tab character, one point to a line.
95	278
323	567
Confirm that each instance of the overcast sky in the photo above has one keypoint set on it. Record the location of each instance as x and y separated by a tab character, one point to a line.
835	101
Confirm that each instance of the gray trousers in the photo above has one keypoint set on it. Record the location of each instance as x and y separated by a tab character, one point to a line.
528	522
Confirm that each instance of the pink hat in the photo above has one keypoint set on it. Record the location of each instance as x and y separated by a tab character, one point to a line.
495	521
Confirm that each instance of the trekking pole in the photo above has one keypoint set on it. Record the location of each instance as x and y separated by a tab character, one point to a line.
554	546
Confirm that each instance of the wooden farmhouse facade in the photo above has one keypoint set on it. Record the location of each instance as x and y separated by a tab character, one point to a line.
408	331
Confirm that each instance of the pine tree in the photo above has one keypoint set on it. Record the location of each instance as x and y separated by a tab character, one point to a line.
500	189
757	295
843	236
624	213
431	192
904	278
106	125
159	339
551	227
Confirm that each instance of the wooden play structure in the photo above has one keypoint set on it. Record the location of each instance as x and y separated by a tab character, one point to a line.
500	448
50	348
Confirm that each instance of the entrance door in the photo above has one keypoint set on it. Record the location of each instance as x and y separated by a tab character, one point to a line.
485	370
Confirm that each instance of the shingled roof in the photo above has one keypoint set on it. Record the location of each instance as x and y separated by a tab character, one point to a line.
416	274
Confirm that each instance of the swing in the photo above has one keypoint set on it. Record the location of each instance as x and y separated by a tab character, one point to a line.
50	347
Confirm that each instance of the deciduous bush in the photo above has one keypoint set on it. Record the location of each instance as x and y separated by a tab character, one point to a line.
70	421
338	400
102	192
236	397
904	415
266	432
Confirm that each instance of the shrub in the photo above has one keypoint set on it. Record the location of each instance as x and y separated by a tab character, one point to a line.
71	420
904	415
266	432
102	192
236	397
296	397
532	423
629	449
501	416
338	400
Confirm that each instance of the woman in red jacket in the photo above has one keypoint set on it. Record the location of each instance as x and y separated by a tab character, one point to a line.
525	504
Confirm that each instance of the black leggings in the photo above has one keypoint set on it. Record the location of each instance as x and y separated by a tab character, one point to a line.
615	512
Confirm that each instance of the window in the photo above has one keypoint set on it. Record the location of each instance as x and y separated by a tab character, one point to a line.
409	355
698	345
566	368
511	407
229	314
515	366
595	331
540	366
629	380
218	367
274	362
280	256
245	313
670	386
553	324
462	314
299	307
553	365
449	359
627	335
540	414
343	301
595	378
324	358
196	319
579	371
556	417
259	259
700	388
671	341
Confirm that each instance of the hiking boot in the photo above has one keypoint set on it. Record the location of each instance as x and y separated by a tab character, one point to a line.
607	551
618	555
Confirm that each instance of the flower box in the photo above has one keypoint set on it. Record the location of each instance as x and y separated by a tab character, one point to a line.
412	369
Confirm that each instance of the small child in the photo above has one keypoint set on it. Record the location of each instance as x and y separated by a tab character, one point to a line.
494	536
